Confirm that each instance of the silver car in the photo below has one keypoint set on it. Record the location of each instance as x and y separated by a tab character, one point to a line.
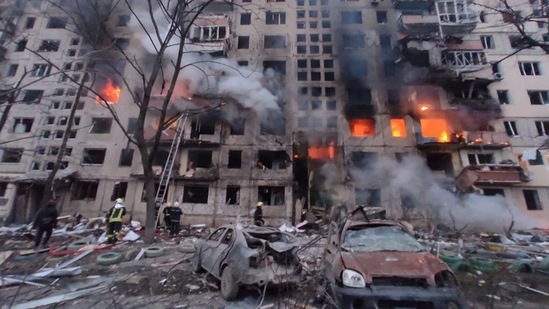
248	256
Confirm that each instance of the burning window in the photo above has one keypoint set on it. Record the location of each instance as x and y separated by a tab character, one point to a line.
398	127
195	194
322	152
271	195
274	160
435	128
93	156
84	190
232	195
110	93
119	190
362	127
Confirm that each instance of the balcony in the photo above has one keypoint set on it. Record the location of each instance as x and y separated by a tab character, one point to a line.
487	105
487	139
465	60
418	24
490	174
412	5
455	17
200	174
210	34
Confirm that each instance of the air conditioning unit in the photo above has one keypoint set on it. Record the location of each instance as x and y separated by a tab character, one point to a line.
498	76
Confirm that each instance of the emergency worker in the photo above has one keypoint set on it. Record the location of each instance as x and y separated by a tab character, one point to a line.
114	220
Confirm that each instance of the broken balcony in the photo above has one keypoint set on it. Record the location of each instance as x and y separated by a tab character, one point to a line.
470	139
490	174
418	24
489	105
272	165
487	139
210	35
465	60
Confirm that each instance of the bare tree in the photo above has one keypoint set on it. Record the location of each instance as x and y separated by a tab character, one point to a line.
148	76
513	14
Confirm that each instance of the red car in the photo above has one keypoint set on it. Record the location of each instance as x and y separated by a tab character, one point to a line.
379	264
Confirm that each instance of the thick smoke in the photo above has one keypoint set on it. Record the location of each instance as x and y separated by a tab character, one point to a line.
207	76
411	177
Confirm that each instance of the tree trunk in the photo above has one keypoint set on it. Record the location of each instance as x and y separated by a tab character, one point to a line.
5	114
48	187
150	193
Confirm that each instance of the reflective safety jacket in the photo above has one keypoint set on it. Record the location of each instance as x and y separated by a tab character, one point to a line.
116	213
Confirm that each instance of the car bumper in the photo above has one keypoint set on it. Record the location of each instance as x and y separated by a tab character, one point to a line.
272	274
396	297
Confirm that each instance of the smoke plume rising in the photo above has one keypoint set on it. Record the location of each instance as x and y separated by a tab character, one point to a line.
411	177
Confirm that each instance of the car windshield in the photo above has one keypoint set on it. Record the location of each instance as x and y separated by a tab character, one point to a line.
380	238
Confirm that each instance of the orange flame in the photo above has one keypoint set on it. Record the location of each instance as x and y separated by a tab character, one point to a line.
110	93
444	137
362	127
322	152
398	127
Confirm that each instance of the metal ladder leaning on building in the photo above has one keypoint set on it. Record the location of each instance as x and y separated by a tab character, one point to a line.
170	161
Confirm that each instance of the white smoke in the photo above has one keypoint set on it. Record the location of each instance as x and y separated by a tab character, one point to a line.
205	75
413	178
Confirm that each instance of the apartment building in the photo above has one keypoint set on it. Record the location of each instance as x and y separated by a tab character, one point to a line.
357	81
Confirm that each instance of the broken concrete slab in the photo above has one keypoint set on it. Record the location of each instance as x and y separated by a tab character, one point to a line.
59	298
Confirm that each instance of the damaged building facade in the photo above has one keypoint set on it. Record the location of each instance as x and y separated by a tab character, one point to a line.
360	80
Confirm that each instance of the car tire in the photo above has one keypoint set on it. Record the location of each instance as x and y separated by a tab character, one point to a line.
229	286
195	263
108	258
77	245
151	252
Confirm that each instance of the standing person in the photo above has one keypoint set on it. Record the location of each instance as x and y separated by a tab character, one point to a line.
258	214
45	221
175	217
114	220
166	212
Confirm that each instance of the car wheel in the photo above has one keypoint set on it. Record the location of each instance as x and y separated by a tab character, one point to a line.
195	262
229	286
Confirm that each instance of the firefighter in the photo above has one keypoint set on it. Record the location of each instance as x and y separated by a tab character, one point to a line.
258	214
114	220
175	217
166	212
45	221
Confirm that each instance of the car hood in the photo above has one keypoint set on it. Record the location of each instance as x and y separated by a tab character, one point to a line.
393	264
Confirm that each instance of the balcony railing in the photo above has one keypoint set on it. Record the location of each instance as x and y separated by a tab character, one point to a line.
465	60
418	24
493	174
488	138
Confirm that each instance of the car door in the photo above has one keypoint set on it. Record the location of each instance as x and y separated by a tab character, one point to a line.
332	247
222	251
208	248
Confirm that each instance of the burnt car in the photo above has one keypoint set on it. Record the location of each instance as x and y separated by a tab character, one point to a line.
248	256
378	264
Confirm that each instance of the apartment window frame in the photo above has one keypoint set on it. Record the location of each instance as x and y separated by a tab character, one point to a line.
538	97
11	155
503	96
126	157
57	22
487	41
275	18
529	68
49	45
40	70
232	191
243	42
101	125
382	17
28	122
119	190
245	19
480	158
94	156
542	126
12	70
84	190
511	128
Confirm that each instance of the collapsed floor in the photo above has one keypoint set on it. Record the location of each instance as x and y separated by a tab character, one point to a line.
495	271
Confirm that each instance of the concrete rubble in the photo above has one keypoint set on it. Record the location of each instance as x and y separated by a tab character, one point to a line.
501	269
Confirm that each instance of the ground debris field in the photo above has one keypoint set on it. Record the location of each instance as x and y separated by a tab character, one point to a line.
495	271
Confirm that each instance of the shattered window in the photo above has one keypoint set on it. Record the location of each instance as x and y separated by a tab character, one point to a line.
380	238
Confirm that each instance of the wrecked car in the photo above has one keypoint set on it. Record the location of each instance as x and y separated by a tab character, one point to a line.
248	256
378	264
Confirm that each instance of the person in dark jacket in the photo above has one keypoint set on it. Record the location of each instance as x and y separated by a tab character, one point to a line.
45	221
258	214
175	217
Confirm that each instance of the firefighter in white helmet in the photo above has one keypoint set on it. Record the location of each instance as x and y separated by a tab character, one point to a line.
258	214
114	220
